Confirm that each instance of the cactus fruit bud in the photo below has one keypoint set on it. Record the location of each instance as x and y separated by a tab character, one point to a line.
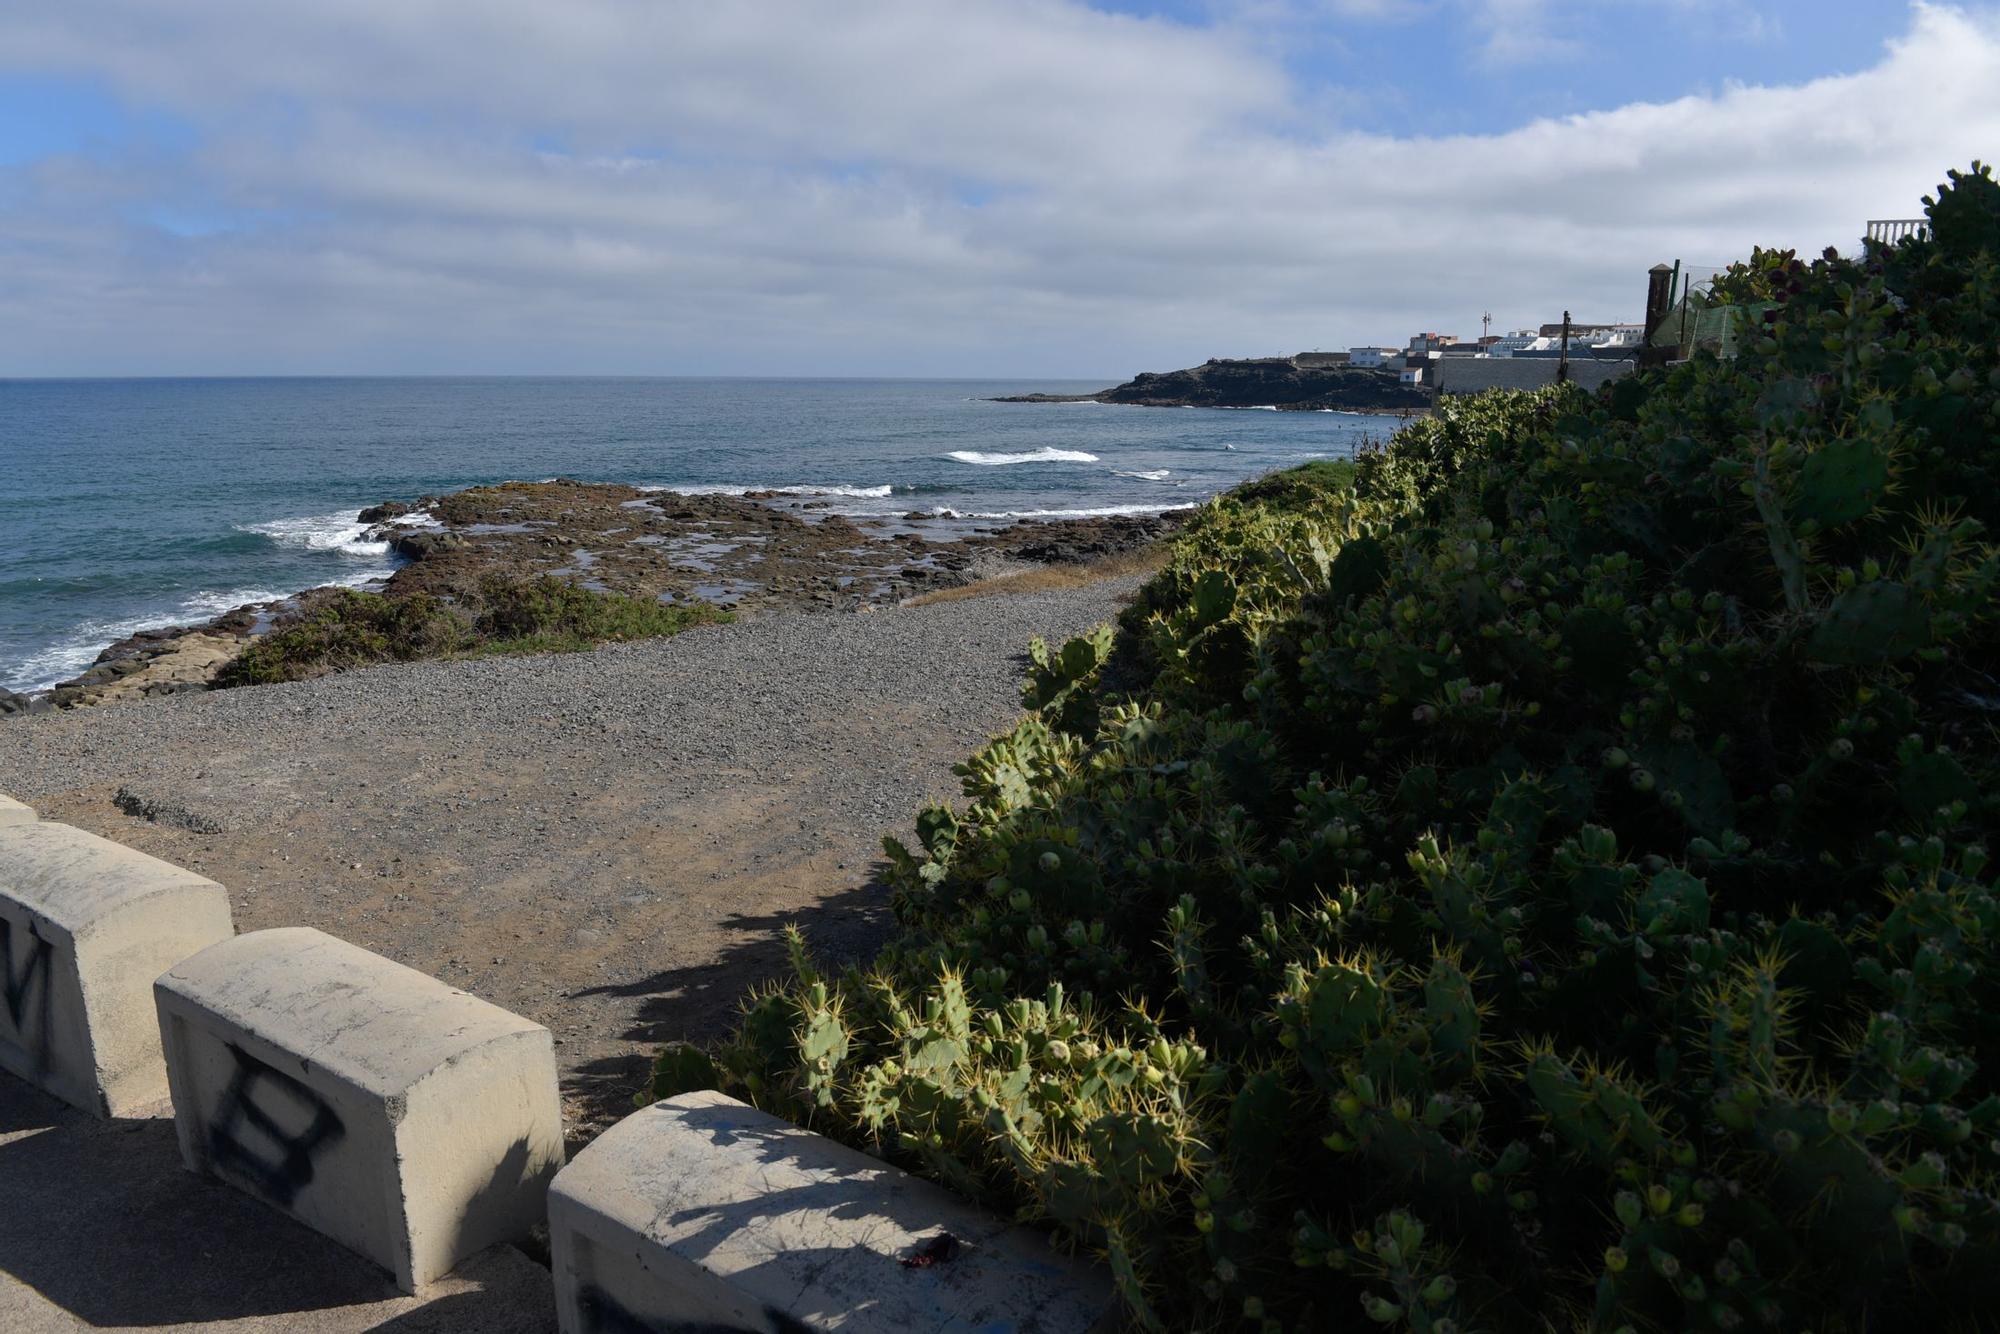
1380	1311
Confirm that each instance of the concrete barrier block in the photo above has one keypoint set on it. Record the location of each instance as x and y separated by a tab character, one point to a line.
85	926
703	1213
407	1120
13	812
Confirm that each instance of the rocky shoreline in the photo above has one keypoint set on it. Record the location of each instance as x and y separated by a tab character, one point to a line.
756	552
1258	382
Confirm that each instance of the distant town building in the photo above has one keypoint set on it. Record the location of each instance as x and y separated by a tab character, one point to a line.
1373	358
1410	375
1431	342
1621	335
1595	333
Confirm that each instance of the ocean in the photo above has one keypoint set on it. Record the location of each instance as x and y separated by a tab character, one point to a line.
135	504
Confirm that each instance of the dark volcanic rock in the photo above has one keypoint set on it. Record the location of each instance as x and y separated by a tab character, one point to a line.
1270	382
422	542
741	552
160	808
1258	382
388	509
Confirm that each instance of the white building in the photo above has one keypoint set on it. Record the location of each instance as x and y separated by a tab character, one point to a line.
1511	343
1621	335
1410	375
1373	358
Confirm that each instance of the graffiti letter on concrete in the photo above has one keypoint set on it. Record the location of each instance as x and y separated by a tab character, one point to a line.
292	1122
25	989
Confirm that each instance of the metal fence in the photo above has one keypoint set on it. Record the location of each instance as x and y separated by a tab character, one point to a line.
1696	319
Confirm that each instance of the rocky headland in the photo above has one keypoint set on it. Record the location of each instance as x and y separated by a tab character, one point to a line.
751	553
1258	382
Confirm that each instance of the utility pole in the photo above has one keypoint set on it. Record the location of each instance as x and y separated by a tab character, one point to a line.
1485	326
1562	363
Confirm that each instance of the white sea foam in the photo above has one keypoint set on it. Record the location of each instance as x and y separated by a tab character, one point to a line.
853	492
320	532
703	489
1044	455
1153	475
1098	512
416	519
85	640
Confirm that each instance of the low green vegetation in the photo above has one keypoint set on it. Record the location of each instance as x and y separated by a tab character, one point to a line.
345	628
1541	882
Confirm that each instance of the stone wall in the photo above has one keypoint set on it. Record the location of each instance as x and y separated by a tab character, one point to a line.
1472	375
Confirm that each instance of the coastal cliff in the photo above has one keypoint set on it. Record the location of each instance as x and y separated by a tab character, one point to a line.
1257	382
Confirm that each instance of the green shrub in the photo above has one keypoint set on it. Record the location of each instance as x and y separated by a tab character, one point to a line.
1543	887
343	628
1303	488
551	615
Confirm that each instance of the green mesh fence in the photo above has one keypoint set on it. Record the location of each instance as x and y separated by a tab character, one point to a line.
1699	322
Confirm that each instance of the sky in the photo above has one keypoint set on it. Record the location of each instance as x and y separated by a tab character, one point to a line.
1031	188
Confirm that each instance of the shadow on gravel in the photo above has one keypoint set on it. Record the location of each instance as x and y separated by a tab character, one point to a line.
699	1004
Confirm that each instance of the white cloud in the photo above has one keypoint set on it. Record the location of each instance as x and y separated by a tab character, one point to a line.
1522	32
887	186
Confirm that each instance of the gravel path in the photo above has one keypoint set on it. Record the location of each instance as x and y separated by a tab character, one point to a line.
607	842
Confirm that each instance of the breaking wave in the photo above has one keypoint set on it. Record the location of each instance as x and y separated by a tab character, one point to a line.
1044	455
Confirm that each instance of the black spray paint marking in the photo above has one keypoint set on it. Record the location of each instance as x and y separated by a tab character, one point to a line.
26	986
262	1099
605	1314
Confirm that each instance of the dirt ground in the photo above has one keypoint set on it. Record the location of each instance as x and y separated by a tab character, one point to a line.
608	843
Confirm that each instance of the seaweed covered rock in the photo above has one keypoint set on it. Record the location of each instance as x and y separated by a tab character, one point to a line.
1542	884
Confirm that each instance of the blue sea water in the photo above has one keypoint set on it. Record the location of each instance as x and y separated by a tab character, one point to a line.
132	504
